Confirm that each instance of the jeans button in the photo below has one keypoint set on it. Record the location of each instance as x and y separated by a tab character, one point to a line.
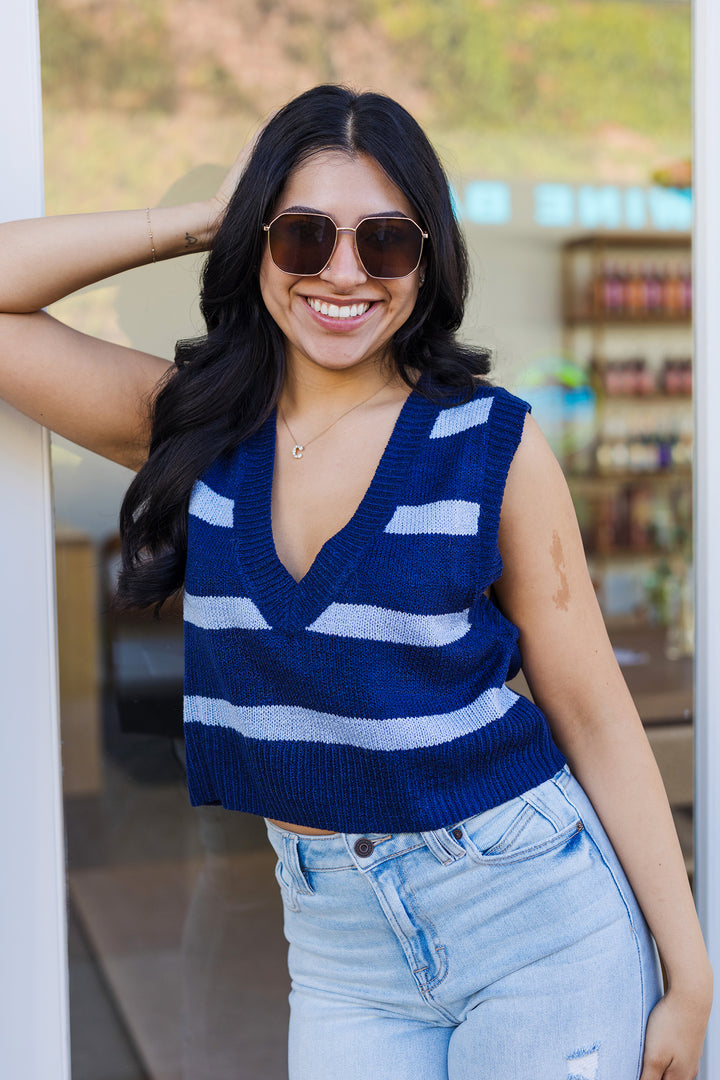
457	833
364	847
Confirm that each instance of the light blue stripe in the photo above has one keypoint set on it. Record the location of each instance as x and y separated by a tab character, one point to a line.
292	723
207	505
223	613
461	417
399	627
451	517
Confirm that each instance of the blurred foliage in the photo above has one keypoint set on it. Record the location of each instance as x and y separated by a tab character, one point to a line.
541	65
136	91
88	61
554	65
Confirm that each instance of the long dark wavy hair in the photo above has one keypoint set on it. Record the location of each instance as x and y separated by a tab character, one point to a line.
225	384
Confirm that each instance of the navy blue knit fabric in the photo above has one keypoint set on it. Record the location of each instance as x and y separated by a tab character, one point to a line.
370	696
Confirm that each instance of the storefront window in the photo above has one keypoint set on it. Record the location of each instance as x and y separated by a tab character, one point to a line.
565	129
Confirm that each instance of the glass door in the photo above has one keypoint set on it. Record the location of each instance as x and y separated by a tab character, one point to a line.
569	182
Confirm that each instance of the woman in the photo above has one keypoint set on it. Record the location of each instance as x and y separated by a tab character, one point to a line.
370	537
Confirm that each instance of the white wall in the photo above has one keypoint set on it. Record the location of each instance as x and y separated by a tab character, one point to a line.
34	1037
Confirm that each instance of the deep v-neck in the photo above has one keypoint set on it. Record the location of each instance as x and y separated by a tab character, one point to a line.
293	604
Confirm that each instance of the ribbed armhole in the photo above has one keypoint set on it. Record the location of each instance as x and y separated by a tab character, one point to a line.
505	428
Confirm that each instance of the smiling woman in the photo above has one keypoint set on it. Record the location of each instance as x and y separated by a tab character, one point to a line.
372	539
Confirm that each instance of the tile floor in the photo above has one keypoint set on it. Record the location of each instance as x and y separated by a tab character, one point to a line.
177	959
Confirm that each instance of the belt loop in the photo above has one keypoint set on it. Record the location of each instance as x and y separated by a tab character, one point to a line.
549	799
291	862
443	845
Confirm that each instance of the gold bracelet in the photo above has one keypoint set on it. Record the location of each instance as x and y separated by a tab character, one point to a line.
152	239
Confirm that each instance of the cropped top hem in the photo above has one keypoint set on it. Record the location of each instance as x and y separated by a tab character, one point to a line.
380	799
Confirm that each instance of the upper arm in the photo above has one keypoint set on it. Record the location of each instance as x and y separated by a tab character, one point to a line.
545	589
93	392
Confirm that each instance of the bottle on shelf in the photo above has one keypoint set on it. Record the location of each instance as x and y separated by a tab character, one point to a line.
615	290
634	291
672	292
654	291
677	375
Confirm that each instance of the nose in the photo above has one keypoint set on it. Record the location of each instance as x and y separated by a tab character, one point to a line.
344	271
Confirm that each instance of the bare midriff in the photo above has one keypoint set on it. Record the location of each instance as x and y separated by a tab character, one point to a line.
304	829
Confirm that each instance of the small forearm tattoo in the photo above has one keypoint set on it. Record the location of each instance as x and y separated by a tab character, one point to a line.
190	240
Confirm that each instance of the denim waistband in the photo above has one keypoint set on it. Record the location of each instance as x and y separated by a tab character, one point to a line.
338	851
362	850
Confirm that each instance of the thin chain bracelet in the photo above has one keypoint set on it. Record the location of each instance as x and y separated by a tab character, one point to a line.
152	238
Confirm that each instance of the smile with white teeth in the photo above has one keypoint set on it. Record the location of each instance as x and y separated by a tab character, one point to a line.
347	311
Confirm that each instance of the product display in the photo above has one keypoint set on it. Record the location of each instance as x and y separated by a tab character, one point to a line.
641	290
633	486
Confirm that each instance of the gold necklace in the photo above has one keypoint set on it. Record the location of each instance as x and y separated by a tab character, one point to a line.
298	448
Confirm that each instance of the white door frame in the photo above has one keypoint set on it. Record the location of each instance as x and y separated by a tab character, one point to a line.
706	318
34	1028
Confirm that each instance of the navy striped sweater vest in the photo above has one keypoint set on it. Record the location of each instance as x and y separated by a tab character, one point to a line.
370	696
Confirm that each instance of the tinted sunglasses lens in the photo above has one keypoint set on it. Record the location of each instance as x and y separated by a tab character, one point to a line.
301	243
389	247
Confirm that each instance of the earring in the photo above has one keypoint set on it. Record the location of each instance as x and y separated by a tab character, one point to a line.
422	279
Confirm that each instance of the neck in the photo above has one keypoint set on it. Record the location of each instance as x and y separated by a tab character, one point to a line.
312	391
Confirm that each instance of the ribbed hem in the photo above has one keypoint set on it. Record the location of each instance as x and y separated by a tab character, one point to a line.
350	790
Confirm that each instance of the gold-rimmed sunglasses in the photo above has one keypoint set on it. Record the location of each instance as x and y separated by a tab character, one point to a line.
303	244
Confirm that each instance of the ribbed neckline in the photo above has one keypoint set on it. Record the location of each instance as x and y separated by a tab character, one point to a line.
291	605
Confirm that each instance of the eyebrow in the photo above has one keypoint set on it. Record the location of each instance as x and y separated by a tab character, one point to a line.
314	210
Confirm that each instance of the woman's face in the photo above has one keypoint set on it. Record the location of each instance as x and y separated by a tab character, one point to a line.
347	189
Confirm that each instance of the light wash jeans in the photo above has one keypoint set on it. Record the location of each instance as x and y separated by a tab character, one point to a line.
505	947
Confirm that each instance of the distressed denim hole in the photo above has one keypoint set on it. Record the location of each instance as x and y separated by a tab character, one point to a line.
584	1064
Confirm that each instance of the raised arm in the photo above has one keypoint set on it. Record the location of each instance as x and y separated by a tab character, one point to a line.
570	667
93	392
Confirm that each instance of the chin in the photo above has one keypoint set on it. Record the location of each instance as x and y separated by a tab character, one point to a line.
331	361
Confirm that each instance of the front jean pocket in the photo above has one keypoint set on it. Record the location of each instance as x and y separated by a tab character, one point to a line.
522	828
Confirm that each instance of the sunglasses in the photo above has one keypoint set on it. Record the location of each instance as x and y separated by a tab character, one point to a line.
303	244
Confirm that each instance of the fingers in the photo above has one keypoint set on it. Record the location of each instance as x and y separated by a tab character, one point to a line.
227	188
667	1068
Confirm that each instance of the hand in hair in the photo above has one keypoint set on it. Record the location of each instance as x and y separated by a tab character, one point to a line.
225	192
